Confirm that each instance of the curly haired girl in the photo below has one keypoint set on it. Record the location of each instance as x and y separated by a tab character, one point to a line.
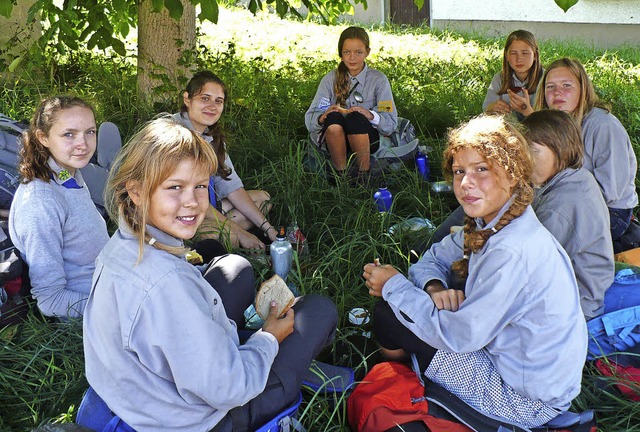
507	345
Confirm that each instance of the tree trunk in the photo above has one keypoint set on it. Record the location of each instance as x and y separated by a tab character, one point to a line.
162	42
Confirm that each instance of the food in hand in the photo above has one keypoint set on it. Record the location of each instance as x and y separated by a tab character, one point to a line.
273	289
194	258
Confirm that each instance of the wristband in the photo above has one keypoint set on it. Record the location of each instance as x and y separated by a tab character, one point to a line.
262	224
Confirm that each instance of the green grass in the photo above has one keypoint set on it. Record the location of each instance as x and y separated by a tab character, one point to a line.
272	68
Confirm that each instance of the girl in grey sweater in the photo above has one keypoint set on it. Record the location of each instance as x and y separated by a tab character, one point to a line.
608	154
161	344
53	221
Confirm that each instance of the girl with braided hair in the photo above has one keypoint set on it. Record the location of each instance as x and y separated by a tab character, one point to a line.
507	345
352	106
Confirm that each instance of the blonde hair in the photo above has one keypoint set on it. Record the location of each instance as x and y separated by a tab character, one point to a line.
535	72
148	159
501	144
588	97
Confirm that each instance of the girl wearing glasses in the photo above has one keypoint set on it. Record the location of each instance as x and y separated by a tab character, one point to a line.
352	106
608	154
233	210
514	88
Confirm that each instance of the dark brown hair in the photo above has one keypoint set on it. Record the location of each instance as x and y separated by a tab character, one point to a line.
558	131
341	84
216	131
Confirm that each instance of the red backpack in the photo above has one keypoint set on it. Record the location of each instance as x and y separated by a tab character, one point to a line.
391	395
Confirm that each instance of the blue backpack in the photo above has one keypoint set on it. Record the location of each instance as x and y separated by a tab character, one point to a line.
618	329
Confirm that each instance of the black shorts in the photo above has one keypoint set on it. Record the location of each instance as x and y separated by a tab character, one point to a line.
353	124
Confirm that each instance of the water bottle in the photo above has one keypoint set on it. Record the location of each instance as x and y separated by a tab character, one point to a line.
422	163
383	199
281	254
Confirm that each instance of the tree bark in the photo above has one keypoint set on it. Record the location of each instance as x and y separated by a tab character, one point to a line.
162	41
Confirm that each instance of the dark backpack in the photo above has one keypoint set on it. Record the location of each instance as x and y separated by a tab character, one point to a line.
14	284
95	173
10	132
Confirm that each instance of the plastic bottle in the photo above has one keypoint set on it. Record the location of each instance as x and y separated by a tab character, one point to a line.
422	163
383	199
281	254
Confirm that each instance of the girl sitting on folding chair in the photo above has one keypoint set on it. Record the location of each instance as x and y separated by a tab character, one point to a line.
510	344
161	340
352	106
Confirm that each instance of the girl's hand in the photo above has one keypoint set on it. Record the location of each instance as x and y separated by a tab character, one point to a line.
332	108
376	276
271	232
500	107
279	327
447	299
365	112
519	103
249	241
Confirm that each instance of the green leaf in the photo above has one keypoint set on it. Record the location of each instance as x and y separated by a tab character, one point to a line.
157	5
419	3
565	5
209	10
253	6
15	63
282	7
118	47
6	6
175	8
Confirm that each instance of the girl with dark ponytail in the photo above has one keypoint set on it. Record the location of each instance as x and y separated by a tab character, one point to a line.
507	344
353	105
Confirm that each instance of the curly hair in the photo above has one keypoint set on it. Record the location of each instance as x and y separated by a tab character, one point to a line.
148	159
34	156
342	84
501	144
216	131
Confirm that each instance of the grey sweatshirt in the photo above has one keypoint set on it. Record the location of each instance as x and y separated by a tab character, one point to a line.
59	234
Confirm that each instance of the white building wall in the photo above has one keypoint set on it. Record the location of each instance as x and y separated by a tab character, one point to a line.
602	23
585	11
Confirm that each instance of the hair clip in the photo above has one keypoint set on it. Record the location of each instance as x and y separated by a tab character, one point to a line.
494	229
152	241
465	256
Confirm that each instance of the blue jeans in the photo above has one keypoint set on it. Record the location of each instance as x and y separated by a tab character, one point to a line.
620	220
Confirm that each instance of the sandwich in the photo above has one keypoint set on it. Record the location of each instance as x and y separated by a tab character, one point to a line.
273	289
